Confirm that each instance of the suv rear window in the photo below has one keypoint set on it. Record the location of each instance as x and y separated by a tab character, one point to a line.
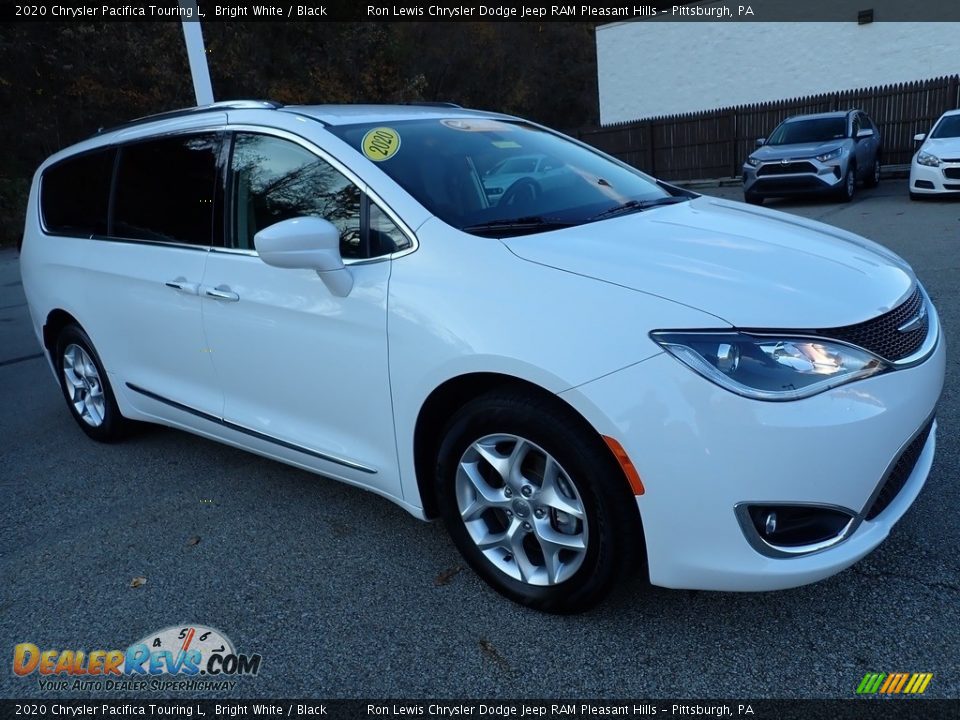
75	193
165	190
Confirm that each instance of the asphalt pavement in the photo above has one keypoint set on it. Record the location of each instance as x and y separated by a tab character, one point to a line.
345	595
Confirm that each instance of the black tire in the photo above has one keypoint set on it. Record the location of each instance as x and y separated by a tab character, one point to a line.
753	198
611	526
112	425
848	188
874	178
916	196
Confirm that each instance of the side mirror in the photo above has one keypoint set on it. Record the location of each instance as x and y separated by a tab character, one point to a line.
919	137
761	142
306	242
864	133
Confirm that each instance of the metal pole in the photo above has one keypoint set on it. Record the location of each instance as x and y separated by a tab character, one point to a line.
196	53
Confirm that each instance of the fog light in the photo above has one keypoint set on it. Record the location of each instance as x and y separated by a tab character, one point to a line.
793	528
770	525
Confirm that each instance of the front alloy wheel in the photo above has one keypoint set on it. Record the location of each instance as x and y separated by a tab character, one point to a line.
849	187
535	501
521	510
874	178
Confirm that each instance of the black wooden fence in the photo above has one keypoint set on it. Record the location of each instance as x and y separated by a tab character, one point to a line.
714	143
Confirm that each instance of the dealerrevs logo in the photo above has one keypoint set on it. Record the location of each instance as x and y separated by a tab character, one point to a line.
186	652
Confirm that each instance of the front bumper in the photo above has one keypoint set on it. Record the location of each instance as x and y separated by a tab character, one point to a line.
926	180
772	179
701	451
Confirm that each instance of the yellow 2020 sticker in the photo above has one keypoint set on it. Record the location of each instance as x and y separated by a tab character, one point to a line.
380	144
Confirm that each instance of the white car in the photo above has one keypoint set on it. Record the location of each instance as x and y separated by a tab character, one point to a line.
524	173
574	379
935	169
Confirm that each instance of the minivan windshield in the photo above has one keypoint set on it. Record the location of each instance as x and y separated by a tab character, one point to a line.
500	178
794	132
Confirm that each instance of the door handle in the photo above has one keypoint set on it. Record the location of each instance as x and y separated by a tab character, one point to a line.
183	286
221	292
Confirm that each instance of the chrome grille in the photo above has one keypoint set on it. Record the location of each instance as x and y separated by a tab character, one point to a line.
776	168
882	335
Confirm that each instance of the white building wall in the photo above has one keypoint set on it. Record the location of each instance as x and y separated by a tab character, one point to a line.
652	67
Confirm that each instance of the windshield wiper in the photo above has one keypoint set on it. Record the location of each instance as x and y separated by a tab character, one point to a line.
637	206
530	223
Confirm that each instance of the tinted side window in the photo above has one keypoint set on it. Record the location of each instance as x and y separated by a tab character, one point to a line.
165	189
274	179
75	193
385	236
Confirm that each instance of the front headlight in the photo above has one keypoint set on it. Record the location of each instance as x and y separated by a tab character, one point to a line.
925	158
752	161
830	155
769	368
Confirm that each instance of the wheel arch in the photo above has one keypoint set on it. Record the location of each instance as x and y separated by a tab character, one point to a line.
56	321
452	394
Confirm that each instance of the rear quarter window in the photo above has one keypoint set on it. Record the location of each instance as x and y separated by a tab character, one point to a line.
75	194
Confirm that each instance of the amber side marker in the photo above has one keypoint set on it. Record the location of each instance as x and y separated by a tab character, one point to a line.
633	477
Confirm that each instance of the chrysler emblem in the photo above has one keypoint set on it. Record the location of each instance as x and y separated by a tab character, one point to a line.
915	322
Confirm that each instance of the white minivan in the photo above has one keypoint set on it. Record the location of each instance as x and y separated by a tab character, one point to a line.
579	377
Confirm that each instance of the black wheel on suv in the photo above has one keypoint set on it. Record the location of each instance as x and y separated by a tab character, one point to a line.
535	502
85	386
753	198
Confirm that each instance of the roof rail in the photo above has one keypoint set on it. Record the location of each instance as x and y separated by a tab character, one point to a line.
425	103
222	105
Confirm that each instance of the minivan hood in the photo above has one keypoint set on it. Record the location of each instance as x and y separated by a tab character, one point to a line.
797	150
751	267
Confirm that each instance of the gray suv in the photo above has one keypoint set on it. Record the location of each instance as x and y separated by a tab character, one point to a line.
824	153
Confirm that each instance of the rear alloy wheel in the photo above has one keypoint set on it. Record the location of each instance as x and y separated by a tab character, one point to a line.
535	502
85	386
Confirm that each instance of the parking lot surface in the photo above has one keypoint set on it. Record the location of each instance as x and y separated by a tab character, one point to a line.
345	595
